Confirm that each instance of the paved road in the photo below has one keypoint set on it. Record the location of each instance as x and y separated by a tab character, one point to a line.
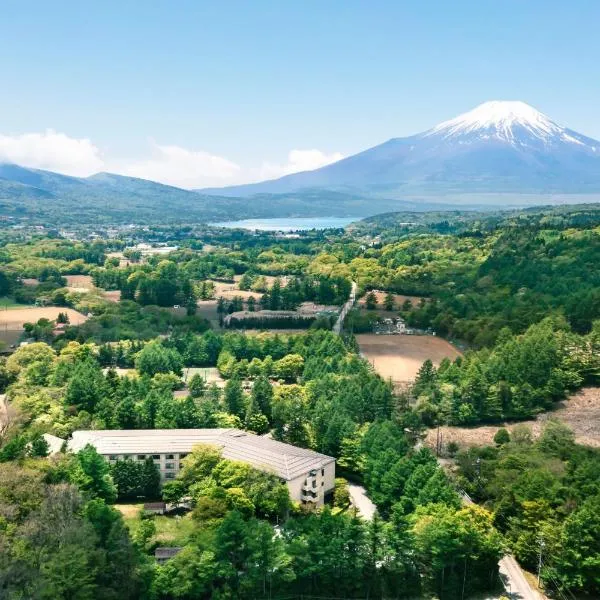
361	502
337	328
514	581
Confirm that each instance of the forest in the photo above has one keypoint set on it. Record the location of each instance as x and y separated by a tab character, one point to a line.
519	290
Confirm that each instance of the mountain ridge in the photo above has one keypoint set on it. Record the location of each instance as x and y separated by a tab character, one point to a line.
500	154
500	146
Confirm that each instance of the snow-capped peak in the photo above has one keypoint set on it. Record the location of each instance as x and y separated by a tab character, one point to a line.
499	119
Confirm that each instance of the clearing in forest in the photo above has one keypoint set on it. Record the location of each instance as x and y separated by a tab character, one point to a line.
399	357
79	283
399	300
581	412
15	318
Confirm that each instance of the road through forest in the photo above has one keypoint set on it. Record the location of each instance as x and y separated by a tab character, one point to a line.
337	328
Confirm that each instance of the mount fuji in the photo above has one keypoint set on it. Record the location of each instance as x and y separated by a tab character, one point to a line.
499	147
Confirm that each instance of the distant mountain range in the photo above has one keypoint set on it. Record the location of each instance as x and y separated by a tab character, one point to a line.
499	154
498	147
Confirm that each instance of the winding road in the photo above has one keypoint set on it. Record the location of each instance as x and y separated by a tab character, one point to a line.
512	576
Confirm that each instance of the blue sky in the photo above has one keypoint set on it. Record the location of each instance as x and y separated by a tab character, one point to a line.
198	93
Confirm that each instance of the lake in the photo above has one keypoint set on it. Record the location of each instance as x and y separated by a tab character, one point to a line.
289	224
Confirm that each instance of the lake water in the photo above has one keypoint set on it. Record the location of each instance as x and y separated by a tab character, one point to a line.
290	224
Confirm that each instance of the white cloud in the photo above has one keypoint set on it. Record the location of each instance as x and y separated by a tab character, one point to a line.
180	167
169	164
52	151
298	160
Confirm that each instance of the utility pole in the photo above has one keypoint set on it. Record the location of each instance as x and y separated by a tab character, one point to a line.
540	562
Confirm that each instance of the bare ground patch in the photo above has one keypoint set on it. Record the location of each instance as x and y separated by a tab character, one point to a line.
80	283
399	357
229	290
581	412
399	299
16	318
112	295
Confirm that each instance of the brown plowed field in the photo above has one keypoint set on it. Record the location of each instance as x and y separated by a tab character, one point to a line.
399	357
15	318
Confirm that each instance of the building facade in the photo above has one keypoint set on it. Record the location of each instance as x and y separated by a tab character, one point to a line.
309	475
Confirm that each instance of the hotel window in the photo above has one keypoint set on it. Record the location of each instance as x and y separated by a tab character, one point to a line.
169	466
182	456
112	457
169	475
156	457
323	472
170	456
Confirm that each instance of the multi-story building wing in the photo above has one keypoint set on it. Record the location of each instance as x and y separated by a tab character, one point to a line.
309	475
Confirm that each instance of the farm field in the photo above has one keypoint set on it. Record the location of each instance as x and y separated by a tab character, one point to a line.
399	357
399	299
581	412
15	318
79	283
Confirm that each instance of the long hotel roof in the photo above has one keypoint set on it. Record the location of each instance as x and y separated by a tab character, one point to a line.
285	460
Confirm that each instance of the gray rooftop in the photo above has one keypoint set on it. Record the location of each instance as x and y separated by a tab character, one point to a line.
284	460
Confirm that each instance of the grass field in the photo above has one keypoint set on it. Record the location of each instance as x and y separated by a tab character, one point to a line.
15	318
208	310
399	357
170	531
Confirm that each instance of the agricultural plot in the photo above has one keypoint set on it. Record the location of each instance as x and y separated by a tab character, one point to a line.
399	357
14	319
79	283
399	300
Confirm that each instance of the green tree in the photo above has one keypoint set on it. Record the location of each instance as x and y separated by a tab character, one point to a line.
197	385
289	367
234	397
86	387
371	301
388	302
501	437
155	358
150	479
262	395
341	495
91	473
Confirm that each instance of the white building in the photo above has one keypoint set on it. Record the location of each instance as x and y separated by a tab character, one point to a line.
308	474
